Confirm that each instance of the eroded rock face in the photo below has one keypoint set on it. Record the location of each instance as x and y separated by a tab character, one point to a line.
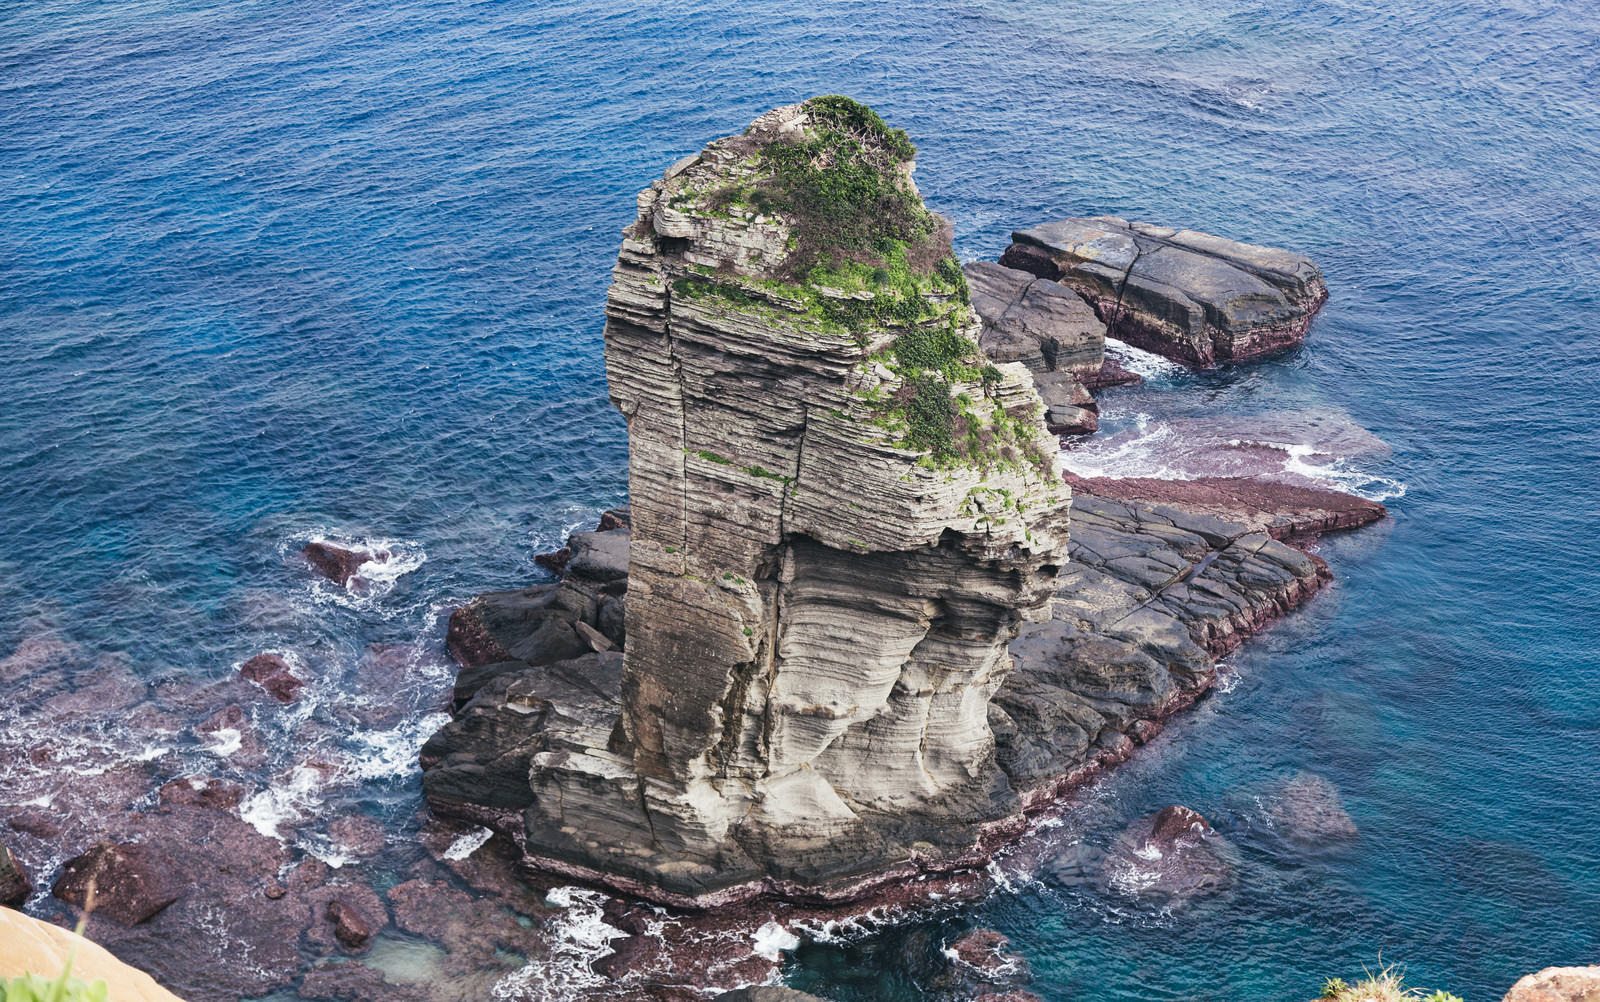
1049	329
1193	297
841	513
1558	984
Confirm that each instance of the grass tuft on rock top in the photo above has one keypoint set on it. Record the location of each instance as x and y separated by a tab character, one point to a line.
866	257
864	252
1387	984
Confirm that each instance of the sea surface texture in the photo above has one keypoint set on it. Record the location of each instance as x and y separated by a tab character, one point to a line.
272	272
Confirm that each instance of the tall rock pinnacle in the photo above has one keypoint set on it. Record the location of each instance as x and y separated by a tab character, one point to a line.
841	514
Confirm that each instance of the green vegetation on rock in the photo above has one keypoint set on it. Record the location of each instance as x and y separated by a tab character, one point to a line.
1386	985
867	261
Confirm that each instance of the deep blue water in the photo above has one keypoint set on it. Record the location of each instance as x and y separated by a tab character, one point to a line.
271	270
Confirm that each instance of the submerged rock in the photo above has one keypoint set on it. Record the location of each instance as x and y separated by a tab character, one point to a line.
1193	297
272	673
1308	811
197	791
128	883
1283	511
15	887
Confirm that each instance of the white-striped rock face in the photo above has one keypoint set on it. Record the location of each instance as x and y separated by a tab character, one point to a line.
818	608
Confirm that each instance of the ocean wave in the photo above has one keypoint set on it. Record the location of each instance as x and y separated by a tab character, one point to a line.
1317	448
579	936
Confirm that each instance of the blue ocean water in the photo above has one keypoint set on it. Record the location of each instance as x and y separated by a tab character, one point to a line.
276	270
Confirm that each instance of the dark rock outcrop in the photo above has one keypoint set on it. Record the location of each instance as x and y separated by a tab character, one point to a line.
1283	511
1050	330
272	673
15	887
336	563
128	883
1193	297
1151	597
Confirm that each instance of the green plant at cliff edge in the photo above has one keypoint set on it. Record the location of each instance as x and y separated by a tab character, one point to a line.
62	988
1386	985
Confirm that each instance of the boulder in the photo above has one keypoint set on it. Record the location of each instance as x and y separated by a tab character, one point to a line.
336	563
598	556
15	887
1035	321
272	673
1192	297
351	927
1558	984
765	993
130	883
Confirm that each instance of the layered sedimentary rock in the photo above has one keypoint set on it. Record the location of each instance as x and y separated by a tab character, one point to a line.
1152	596
841	514
1049	329
1193	297
1282	511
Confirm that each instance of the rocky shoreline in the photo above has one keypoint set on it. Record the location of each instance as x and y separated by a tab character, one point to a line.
858	633
856	642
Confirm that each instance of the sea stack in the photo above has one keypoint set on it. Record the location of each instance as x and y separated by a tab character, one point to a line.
842	512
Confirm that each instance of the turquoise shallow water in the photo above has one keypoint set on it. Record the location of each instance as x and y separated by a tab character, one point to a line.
274	270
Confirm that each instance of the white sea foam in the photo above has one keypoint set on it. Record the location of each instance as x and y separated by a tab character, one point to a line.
464	846
578	937
389	754
773	940
282	803
1145	364
224	741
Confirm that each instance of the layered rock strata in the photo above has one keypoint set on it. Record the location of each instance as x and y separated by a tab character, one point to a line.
842	512
1282	511
1192	297
1152	596
1049	329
